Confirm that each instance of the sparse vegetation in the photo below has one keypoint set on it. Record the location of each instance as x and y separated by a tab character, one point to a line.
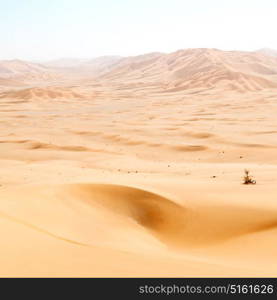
248	179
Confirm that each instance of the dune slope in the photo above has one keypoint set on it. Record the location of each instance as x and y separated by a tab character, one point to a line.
126	222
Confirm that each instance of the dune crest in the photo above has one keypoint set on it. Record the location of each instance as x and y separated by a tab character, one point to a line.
201	68
172	223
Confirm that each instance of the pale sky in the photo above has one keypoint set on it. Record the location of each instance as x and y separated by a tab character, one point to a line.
51	29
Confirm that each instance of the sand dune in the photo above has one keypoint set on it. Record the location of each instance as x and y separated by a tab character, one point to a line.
126	220
26	71
4	82
33	145
134	166
43	93
173	223
201	68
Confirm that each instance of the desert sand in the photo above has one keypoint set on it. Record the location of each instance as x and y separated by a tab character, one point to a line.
133	167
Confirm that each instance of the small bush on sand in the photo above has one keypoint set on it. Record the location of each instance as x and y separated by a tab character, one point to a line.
248	179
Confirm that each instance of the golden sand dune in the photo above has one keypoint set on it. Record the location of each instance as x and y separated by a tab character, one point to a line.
130	141
127	221
42	93
173	223
31	150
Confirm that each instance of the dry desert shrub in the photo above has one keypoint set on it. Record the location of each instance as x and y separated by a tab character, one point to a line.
248	179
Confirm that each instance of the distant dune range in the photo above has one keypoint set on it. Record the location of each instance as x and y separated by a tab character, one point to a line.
26	72
201	68
177	71
133	166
